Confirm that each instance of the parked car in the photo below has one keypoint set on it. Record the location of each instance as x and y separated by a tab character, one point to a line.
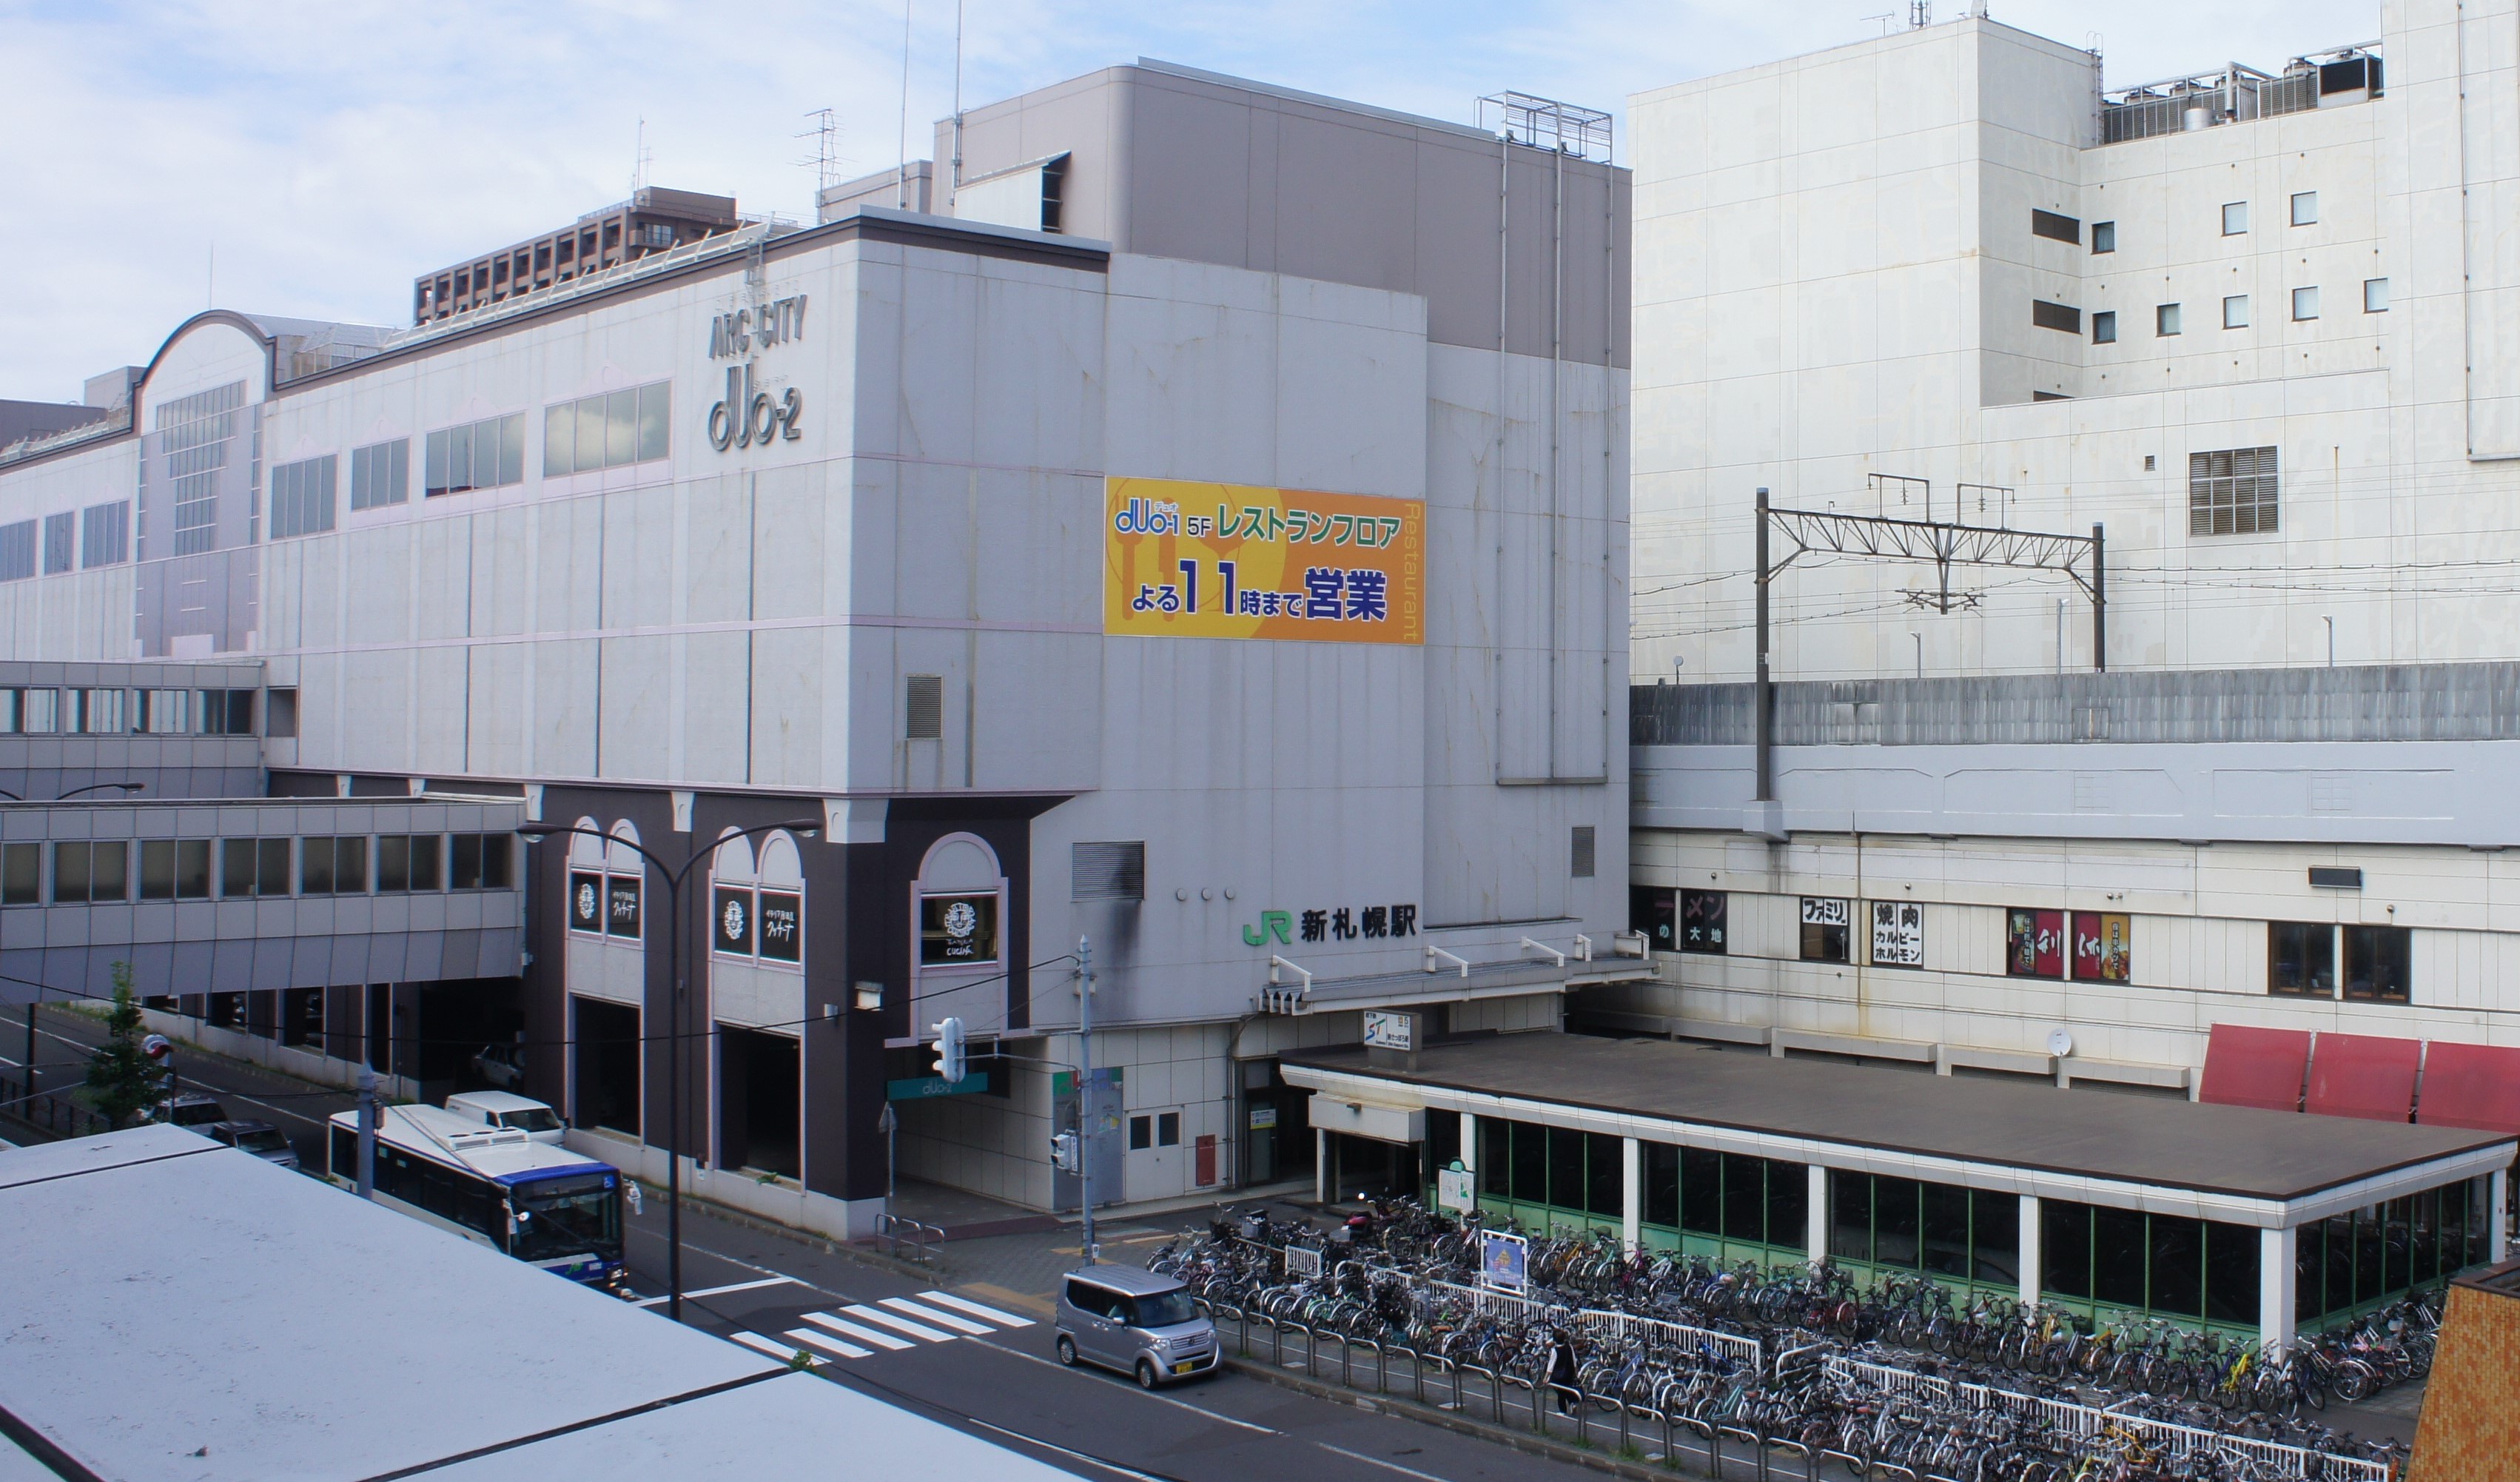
261	1139
191	1108
501	1066
1135	1321
506	1108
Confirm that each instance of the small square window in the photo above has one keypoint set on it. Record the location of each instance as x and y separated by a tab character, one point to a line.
2305	209
1141	1134
2235	312
2305	304
2235	218
2104	236
1168	1128
2165	320
2104	327
2375	296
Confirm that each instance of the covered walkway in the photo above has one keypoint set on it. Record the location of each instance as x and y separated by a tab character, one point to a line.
2229	1216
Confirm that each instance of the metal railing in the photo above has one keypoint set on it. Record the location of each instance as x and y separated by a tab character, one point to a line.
1621	1326
907	1239
49	1111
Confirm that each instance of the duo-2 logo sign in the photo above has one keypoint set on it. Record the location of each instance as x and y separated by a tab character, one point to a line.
1331	923
747	417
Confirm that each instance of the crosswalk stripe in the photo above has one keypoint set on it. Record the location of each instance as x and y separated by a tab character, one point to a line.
807	1335
948	1299
853	1330
921	1331
910	1308
782	1353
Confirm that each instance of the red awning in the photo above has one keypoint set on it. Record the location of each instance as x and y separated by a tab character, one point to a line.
2249	1066
2363	1075
2471	1085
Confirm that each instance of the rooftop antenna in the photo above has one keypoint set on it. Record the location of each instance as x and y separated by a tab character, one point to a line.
640	159
901	177
954	183
826	134
1921	12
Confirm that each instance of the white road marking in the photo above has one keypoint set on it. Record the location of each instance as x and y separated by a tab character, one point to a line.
807	1335
1406	1472
853	1330
756	1341
910	1308
719	1291
948	1299
921	1332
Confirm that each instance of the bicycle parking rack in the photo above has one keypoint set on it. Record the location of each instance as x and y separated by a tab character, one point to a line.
925	1241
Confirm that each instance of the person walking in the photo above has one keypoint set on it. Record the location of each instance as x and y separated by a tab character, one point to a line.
1561	1371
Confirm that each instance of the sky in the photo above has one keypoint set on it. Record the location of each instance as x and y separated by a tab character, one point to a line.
310	159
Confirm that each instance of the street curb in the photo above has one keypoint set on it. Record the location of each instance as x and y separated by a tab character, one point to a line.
1411	1410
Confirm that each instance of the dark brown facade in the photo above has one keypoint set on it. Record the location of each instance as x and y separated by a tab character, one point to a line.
652	220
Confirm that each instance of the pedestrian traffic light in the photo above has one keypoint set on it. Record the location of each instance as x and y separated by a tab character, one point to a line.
1063	1151
949	1062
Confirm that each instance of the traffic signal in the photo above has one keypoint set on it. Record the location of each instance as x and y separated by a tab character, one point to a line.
950	1060
1063	1151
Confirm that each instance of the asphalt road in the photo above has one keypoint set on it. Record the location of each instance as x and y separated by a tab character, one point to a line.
1003	1382
64	1039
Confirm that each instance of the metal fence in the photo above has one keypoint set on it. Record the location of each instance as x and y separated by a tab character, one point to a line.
48	1111
1617	1327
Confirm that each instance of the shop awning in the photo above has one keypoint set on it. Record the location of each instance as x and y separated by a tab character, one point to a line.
2249	1066
2363	1075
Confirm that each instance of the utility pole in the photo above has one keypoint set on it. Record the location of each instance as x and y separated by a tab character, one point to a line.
1765	699
1085	1087
367	1132
29	1062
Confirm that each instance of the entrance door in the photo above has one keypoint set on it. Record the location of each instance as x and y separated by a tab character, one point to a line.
758	1106
1158	1163
1277	1128
605	1042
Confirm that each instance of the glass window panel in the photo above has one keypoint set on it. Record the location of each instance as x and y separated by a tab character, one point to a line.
315	866
1994	1238
1496	1157
559	440
21	871
425	852
466	855
458	457
2300	957
1530	1163
485	453
271	867
393	864
236	867
2065	1248
158	870
511	448
2378	963
1894	1221
2336	1239
2177	1279
1605	1175
1565	1168
1746	1198
2231	1273
1443	1138
656	415
110	873
1701	1192
2118	1252
590	433
69	871
2396	1236
350	866
398	470
434	463
1946	1227
620	429
193	868
1850	1215
1662	1183
2368	1285
1788	1204
498	852
2453	1216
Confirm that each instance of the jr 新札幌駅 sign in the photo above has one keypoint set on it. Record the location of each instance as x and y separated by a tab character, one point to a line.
1184	560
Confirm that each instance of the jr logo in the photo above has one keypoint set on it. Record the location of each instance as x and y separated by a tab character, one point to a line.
1279	922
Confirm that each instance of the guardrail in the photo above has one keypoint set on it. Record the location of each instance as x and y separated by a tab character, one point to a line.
2087	1422
53	1112
899	1232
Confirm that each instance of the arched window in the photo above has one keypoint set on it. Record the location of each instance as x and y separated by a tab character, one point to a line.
757	902
960	894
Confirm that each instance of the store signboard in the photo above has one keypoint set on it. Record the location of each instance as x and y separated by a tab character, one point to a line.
958	930
1898	934
1183	559
1505	1260
1453	1189
1388	1029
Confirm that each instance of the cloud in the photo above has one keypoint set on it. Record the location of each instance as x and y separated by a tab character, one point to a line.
328	154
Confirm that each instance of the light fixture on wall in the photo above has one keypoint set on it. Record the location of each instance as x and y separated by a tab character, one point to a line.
867	997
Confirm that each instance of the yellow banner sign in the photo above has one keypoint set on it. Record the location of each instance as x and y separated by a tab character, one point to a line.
1187	559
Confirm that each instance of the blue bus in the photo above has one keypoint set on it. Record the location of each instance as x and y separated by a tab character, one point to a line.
494	1186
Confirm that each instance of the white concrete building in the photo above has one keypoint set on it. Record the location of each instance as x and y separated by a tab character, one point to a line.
1240	589
2264	329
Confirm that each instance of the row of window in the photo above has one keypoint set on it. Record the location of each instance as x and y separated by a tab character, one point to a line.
87	871
45	710
2302	958
2104	234
2170	319
1728	1196
99	535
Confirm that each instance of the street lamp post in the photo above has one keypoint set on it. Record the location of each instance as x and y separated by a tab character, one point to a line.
76	792
674	876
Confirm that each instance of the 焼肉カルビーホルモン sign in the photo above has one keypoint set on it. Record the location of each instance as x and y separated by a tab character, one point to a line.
1184	560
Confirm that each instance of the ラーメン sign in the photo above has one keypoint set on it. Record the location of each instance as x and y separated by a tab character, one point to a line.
1185	560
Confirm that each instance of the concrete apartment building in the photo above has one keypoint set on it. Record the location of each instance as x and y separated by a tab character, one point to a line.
1232	576
2263	327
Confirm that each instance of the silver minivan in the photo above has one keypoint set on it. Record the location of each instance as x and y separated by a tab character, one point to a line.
1119	1316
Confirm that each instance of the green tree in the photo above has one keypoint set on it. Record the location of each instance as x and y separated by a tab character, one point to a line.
123	1081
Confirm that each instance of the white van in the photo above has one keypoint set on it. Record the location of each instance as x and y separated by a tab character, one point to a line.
506	1108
